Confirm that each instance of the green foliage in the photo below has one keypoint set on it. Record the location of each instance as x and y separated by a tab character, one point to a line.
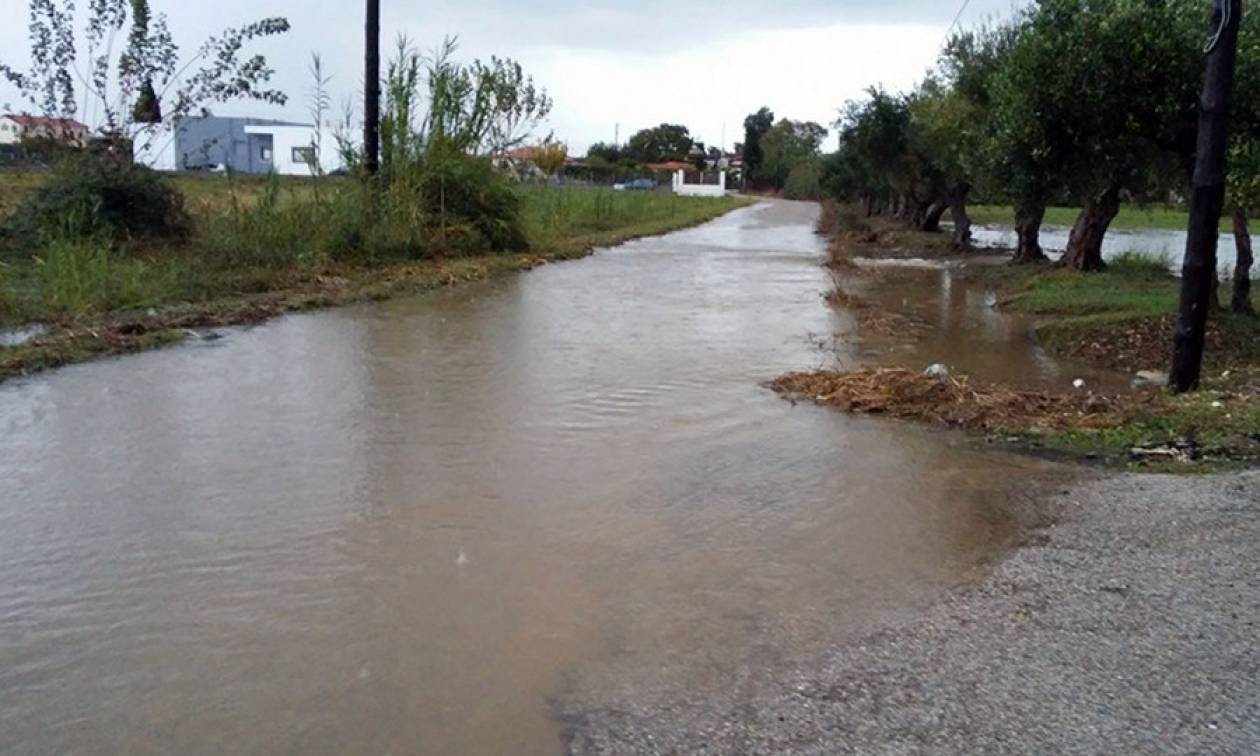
662	144
874	160
84	276
95	195
786	146
755	127
137	86
272	230
467	190
804	182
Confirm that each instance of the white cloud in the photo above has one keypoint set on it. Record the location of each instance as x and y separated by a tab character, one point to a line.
805	74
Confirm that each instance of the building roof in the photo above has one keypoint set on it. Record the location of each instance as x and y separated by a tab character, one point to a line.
68	124
243	121
520	153
255	128
673	165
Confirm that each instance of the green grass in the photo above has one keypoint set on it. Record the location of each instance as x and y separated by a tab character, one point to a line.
81	277
1132	286
1214	428
558	217
1130	218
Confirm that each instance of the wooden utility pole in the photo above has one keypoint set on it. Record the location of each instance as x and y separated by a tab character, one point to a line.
372	89
1207	197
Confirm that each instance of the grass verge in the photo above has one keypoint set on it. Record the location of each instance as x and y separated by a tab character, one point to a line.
98	299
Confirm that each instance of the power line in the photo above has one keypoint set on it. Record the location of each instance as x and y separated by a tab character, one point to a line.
957	18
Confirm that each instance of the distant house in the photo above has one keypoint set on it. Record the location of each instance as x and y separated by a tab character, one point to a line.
15	129
519	162
242	145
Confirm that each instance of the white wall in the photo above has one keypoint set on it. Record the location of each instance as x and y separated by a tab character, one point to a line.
155	150
10	132
683	189
285	139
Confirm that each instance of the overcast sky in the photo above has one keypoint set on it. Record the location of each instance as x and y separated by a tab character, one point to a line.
637	63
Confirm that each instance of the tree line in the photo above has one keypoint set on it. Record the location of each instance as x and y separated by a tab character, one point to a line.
1087	103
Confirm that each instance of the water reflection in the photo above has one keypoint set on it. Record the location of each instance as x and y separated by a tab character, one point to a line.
410	527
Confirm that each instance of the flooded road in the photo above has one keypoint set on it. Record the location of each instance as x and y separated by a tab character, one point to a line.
456	523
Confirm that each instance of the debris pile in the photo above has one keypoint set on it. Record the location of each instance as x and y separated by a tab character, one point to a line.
959	403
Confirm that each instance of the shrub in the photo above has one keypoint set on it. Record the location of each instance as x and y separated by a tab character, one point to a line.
265	231
94	195
81	276
803	183
459	189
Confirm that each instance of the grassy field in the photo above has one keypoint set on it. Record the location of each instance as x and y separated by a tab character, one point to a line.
1131	217
251	257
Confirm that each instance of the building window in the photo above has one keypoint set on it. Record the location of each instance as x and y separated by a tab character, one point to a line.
305	155
265	153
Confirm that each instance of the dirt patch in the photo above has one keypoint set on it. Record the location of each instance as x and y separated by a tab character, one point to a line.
960	403
1134	344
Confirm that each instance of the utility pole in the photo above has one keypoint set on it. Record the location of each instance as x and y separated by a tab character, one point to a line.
1207	197
372	89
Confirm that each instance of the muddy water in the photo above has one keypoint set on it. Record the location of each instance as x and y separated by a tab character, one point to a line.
1155	243
431	525
946	318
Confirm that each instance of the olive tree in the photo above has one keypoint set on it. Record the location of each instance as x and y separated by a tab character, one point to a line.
786	146
1096	99
755	127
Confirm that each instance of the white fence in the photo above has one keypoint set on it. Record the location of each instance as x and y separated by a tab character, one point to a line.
683	189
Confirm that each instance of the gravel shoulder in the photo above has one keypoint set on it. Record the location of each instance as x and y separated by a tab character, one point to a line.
1125	623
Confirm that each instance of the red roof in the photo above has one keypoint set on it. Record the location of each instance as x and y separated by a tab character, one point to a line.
673	165
68	124
520	153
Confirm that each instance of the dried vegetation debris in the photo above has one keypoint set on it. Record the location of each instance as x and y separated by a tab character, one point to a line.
959	403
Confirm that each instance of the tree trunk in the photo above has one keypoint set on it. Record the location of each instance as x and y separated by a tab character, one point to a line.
372	89
1028	230
1084	251
916	212
1207	197
868	206
962	221
1242	272
932	219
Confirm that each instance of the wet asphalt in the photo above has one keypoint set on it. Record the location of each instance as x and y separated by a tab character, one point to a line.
1124	623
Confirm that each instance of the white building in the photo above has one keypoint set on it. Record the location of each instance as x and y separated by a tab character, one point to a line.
242	145
293	149
15	129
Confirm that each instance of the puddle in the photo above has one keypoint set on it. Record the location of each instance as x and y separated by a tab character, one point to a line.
955	322
21	335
